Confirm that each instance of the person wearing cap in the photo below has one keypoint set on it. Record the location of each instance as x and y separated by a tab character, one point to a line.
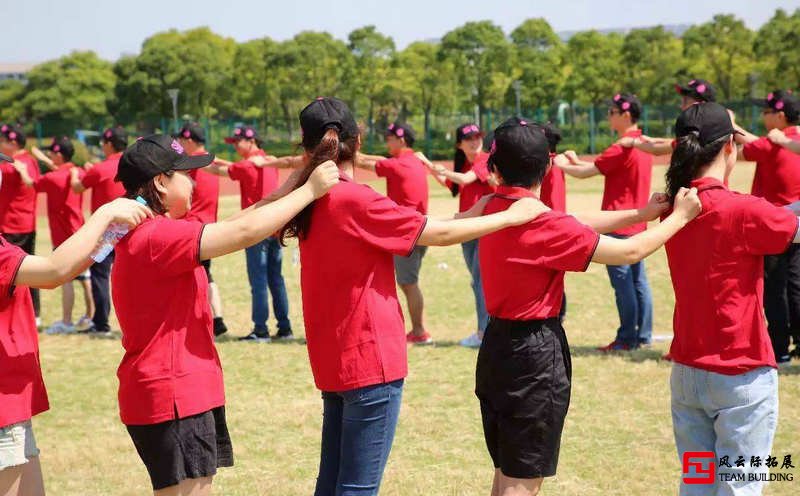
553	192
354	324
626	173
470	180
99	178
205	204
407	185
524	371
171	393
264	259
777	180
724	383
22	390
694	92
17	201
65	217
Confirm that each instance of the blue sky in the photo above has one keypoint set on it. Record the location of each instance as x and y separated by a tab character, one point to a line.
37	30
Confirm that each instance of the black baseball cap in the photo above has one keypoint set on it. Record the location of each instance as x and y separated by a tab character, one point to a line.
781	101
62	145
13	133
709	121
626	102
465	131
517	141
152	155
699	89
402	130
192	131
117	136
323	114
243	132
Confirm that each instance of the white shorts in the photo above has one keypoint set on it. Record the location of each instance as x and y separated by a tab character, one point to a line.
17	444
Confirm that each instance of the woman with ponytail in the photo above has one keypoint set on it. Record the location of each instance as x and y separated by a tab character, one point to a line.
724	381
353	321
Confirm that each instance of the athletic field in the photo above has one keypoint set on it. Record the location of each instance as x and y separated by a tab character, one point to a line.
617	439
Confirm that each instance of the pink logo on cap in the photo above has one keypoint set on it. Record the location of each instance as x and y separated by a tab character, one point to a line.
400	132
186	133
779	105
625	105
770	97
617	97
4	128
176	146
493	148
249	133
391	127
523	123
701	88
12	135
108	134
56	148
472	128
320	98
237	131
692	82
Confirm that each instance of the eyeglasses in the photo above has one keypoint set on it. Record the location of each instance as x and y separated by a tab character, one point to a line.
614	112
768	111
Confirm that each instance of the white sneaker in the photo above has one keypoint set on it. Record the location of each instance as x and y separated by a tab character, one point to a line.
84	323
471	341
60	328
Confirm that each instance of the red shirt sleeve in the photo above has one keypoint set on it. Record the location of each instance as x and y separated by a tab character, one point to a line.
385	167
766	228
610	159
10	260
386	225
757	150
559	242
175	246
91	178
235	171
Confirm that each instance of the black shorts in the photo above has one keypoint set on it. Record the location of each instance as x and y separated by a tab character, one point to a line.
523	382
207	265
187	448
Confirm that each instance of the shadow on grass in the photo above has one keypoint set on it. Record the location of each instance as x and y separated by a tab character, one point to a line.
636	356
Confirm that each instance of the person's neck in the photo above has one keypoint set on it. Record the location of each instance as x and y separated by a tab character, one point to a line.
624	129
347	168
18	152
535	189
251	153
471	156
400	151
715	170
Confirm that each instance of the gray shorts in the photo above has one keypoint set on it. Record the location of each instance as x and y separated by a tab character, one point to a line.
17	444
406	269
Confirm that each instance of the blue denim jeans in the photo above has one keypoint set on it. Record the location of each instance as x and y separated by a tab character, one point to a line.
264	261
357	433
634	303
729	415
470	250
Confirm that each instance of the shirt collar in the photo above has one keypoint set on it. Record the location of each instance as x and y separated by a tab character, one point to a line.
515	192
706	183
633	133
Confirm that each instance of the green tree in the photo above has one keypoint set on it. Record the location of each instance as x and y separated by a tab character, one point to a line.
594	71
539	55
368	77
11	94
776	49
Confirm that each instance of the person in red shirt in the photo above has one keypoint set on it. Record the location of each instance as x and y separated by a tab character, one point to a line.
205	204
627	173
524	370
65	216
171	392
354	325
777	180
100	179
22	390
264	259
724	383
470	180
17	201
553	192
407	185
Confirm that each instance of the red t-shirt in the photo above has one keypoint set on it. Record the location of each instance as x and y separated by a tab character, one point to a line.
627	174
354	324
205	196
777	177
17	200
171	368
100	179
537	253
554	189
22	392
470	193
406	180
254	182
717	268
64	206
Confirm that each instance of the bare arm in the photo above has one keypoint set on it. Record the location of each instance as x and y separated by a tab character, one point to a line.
75	181
72	257
575	167
779	138
41	157
604	221
22	170
653	146
288	162
217	168
367	162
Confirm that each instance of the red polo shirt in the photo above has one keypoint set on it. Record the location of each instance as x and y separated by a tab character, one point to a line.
17	200
777	177
22	392
554	189
354	324
205	196
537	253
627	174
100	179
253	181
64	206
171	368
406	180
470	193
717	268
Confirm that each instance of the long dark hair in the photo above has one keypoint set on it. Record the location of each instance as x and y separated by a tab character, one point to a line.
150	194
459	160
688	158
328	148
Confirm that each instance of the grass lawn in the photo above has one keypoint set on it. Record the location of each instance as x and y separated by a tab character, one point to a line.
617	439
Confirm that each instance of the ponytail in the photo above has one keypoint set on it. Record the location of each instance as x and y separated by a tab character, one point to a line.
459	161
688	158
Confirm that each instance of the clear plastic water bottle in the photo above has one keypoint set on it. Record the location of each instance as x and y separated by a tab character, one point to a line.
295	257
111	237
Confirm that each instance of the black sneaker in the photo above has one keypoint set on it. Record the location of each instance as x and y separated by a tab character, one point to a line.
219	327
283	335
783	360
257	337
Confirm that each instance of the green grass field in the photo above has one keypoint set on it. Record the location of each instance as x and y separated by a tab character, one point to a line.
617	439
